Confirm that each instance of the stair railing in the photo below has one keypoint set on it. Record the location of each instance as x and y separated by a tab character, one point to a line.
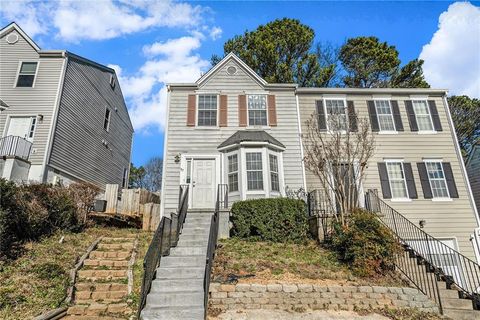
445	263
164	238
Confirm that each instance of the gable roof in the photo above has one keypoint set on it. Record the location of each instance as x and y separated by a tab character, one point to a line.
14	26
250	136
225	60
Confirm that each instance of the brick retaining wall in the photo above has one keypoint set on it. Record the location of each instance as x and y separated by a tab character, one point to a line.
303	297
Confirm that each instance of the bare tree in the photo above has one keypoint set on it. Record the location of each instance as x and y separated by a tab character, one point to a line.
338	158
153	174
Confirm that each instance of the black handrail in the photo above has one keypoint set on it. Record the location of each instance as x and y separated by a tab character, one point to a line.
446	263
165	237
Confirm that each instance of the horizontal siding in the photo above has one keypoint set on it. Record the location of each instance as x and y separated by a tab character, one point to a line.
77	145
444	219
29	101
183	139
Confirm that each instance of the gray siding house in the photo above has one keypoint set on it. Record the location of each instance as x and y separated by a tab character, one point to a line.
62	117
473	169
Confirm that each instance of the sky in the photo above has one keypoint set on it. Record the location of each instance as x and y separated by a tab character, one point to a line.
151	43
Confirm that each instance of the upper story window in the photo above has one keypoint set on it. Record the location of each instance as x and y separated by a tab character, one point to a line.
257	110
254	171
436	176
336	115
233	172
207	110
275	184
26	74
422	115
106	121
384	115
396	176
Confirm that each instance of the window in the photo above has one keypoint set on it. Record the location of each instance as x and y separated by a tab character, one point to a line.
26	75
257	110
106	121
396	177
384	115
422	114
188	178
275	185
336	115
207	110
31	131
125	178
233	173
254	171
436	176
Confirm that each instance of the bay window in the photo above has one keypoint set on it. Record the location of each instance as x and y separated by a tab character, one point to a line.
254	170
233	172
274	182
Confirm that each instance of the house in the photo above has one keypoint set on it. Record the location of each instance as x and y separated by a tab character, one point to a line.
473	169
231	127
63	117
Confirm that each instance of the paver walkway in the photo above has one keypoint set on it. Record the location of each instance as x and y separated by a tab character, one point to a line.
102	283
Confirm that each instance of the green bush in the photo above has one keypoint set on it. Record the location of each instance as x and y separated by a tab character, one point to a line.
273	219
365	244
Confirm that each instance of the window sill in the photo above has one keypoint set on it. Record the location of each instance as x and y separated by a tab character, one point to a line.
206	128
255	191
258	127
388	132
401	200
427	132
442	199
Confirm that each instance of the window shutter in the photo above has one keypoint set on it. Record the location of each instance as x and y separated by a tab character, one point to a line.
191	110
422	171
373	116
412	189
322	122
352	117
272	110
223	120
435	117
452	187
242	110
397	118
411	115
382	171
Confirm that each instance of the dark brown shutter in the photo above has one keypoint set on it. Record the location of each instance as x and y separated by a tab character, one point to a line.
272	110
191	110
352	117
452	187
242	110
422	172
382	171
322	122
412	189
396	116
411	116
373	116
435	117
223	119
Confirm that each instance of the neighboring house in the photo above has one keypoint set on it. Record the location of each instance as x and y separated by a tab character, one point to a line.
231	127
62	117
473	169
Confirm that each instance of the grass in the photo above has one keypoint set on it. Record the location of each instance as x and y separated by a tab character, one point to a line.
37	281
279	262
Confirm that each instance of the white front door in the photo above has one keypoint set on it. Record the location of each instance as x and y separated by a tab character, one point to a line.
203	183
21	127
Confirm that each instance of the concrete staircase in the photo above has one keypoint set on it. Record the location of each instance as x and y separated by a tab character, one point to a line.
177	291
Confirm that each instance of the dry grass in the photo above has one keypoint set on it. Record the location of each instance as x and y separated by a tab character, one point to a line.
266	262
37	280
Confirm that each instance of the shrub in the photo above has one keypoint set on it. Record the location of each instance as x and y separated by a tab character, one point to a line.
84	195
365	244
274	219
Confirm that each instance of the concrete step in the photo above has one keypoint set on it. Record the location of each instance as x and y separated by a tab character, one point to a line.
460	314
195	231
183	261
188	251
446	293
171	273
203	238
177	285
456	303
176	299
173	313
200	221
192	243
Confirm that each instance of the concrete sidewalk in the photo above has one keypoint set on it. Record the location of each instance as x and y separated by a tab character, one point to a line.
285	315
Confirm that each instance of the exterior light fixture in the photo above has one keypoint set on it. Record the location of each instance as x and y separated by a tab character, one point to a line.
422	223
177	158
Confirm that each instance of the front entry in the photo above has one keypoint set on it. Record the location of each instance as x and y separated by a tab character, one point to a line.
203	183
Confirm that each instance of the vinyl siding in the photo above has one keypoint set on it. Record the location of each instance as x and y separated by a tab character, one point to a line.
182	139
29	101
77	144
473	169
444	219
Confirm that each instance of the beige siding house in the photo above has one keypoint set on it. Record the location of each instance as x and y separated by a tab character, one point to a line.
473	169
62	117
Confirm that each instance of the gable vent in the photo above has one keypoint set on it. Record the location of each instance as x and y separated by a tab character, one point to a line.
231	70
12	38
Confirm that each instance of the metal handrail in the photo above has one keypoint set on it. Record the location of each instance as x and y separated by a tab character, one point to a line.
165	237
457	270
15	146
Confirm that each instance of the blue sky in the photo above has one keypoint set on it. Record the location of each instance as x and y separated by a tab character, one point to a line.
154	42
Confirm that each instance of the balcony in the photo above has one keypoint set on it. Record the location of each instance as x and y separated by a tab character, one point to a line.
15	147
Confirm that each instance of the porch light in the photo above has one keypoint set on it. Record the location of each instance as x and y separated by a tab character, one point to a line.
177	158
422	223
40	117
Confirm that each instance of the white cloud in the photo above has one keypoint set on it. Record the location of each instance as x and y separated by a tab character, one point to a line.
215	33
182	46
29	15
452	58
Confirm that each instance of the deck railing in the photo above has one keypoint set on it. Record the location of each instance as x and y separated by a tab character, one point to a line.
14	146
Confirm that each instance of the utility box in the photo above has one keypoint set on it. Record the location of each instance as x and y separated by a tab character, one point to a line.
100	205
